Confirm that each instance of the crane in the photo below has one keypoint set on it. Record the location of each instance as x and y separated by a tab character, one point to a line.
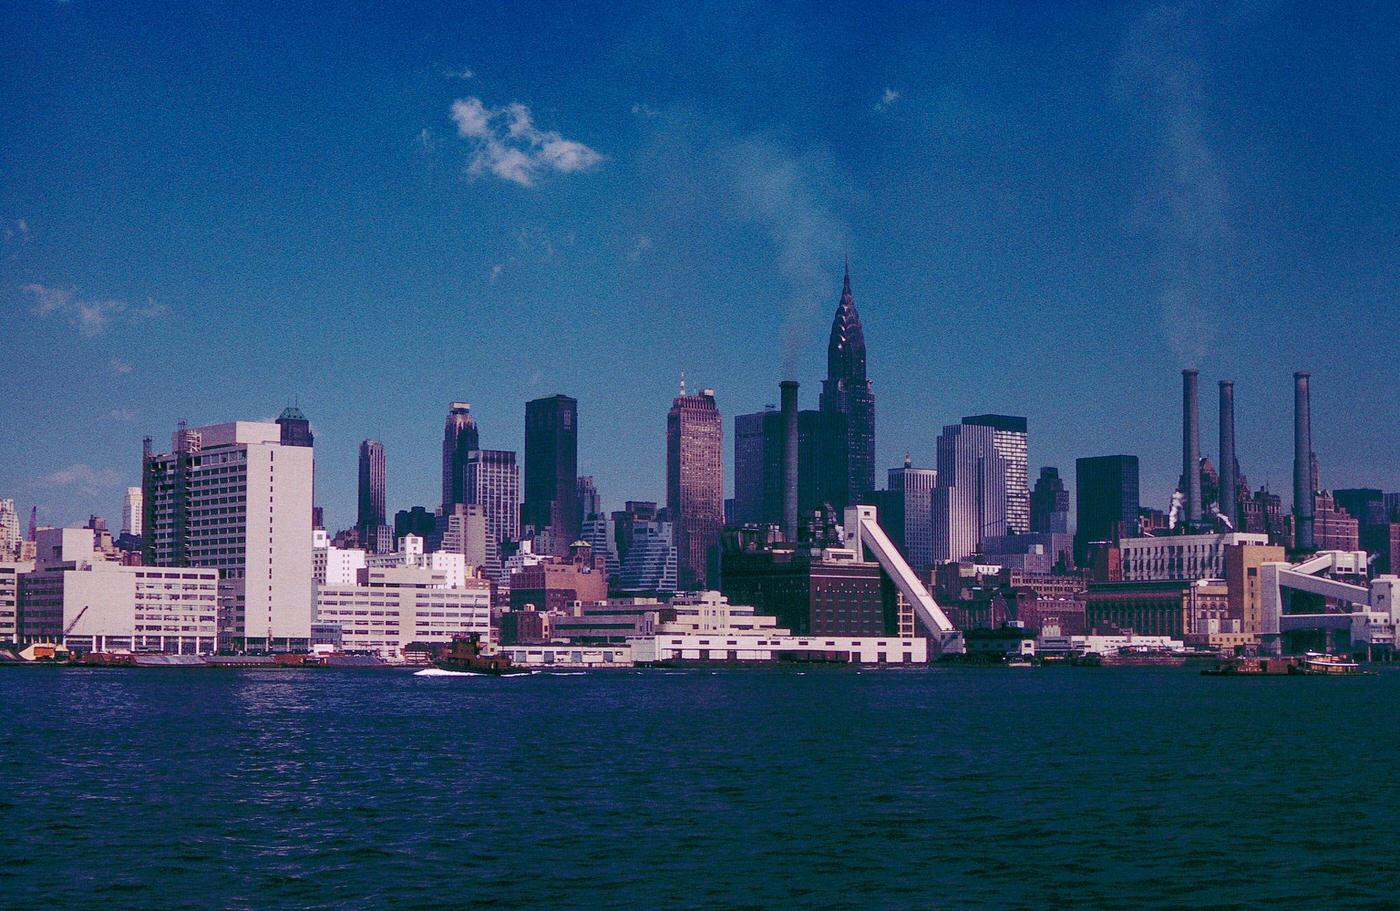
69	628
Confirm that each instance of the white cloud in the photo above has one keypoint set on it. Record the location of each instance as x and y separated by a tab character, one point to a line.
640	246
121	367
887	98
120	415
18	230
463	74
508	145
82	477
496	272
90	316
642	109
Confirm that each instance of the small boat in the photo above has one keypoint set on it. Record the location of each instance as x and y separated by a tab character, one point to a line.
1315	664
465	656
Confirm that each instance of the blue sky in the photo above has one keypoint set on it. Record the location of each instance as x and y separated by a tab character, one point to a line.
212	209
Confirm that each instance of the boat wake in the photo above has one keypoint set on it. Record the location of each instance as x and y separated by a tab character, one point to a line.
439	672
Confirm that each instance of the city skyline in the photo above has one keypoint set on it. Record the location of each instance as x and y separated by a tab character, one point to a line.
602	258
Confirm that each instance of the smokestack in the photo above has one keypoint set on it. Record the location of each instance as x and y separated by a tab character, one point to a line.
1228	506
1191	449
1302	463
788	398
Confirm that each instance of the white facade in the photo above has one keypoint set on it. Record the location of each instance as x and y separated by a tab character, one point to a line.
131	511
702	647
396	606
451	566
1181	557
87	603
231	497
331	565
9	529
9	599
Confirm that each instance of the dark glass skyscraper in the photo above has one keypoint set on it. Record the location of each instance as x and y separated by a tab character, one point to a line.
371	511
695	484
1106	500
1050	503
847	392
551	470
459	437
758	464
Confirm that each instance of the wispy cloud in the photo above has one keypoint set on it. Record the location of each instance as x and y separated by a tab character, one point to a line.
1187	189
90	316
507	144
121	367
81	477
887	98
461	73
18	231
642	109
496	272
640	246
120	415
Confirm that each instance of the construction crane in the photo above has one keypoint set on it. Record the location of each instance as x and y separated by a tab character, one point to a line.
69	628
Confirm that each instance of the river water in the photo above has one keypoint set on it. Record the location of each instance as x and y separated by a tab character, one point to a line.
1002	788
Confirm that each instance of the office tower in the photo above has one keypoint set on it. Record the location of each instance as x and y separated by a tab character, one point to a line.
1305	483
627	520
551	471
233	497
459	438
9	528
970	499
418	521
847	392
758	464
131	512
589	501
695	484
1009	437
375	533
1106	501
1050	503
294	429
491	480
597	532
909	493
464	531
651	565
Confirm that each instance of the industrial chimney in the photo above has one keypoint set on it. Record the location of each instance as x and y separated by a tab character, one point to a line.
1191	449
1302	464
788	399
1228	507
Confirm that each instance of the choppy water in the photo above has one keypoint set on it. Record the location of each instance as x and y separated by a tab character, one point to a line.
751	789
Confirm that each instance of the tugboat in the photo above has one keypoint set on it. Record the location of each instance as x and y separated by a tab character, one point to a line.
465	657
1314	664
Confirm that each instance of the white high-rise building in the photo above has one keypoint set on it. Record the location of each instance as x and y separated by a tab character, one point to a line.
331	565
491	480
10	574
1009	437
9	528
969	498
236	498
452	566
131	511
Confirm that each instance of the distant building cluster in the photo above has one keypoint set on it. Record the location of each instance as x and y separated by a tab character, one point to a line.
223	548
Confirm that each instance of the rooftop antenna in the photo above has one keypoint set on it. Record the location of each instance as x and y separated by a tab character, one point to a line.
682	384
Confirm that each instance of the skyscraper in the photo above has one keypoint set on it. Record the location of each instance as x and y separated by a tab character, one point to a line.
847	392
375	533
758	464
589	501
911	492
235	498
695	483
969	500
459	437
491	480
131	513
1050	503
1009	437
9	528
551	471
1106	501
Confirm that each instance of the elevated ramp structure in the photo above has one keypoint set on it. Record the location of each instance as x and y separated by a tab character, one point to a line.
1374	611
868	540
